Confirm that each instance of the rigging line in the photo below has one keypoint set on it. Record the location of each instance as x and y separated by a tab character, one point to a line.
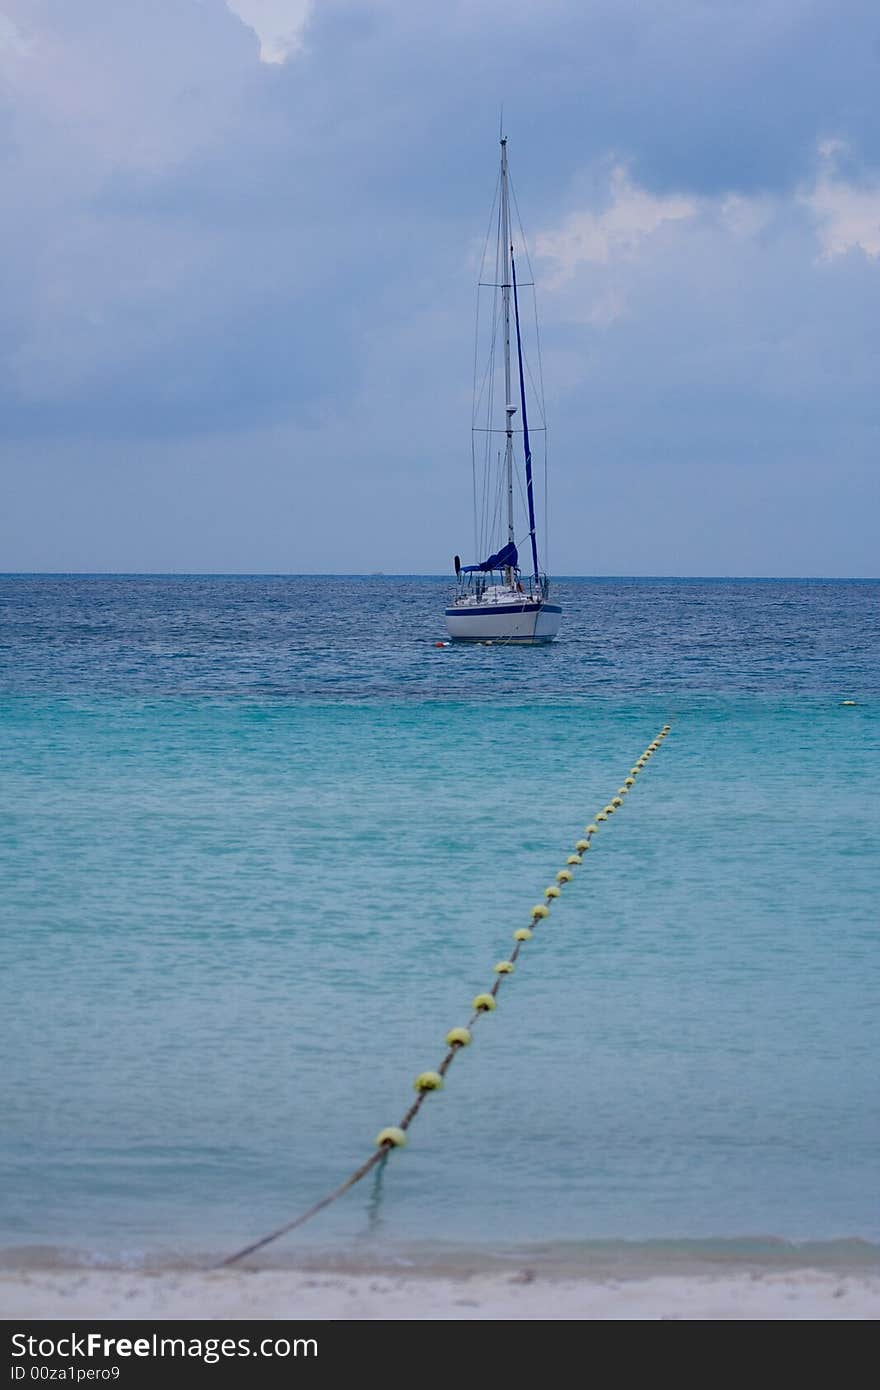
492	218
488	526
474	397
489	227
531	282
525	244
546	503
538	349
496	528
533	429
474	486
522	496
487	467
473	441
492	342
488	407
543	398
546	435
499	502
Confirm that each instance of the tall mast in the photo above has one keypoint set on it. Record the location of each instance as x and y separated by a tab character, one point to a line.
509	407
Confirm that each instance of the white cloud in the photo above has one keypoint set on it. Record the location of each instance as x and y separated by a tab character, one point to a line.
12	40
278	24
847	214
746	217
632	216
599	264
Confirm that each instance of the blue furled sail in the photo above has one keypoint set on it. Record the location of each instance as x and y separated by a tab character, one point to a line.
506	556
525	425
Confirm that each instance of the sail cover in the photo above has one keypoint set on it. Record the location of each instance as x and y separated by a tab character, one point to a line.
507	555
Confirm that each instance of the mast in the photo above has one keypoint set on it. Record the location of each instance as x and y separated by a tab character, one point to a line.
509	407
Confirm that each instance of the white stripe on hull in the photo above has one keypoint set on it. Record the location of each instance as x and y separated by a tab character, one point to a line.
538	625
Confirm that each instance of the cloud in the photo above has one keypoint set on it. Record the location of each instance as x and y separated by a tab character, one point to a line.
594	260
846	213
617	232
278	24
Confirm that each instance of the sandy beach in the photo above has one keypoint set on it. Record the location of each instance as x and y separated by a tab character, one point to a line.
522	1294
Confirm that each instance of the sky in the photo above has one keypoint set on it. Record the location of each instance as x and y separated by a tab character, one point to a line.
239	255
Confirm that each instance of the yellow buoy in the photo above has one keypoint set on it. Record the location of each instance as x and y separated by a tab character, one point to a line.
574	859
601	816
392	1136
617	801
582	845
592	830
551	892
564	876
458	1037
523	934
505	967
428	1081
629	781
484	1003
609	810
539	910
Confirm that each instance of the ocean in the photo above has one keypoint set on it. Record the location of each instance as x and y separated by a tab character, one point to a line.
262	841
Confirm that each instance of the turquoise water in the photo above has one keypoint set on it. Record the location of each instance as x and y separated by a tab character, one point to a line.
262	842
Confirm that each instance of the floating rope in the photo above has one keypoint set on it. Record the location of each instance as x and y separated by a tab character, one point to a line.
395	1136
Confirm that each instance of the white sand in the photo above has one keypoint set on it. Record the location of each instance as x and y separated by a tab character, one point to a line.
299	1294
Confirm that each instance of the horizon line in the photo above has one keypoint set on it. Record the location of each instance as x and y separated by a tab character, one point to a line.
413	574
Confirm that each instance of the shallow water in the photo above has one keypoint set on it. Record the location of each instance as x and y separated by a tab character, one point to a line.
262	842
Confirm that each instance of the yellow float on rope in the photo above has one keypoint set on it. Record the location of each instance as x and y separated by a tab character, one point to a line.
458	1037
592	830
392	1136
551	892
523	934
564	876
539	910
629	781
504	967
617	801
582	845
574	859
601	816
484	1003
428	1081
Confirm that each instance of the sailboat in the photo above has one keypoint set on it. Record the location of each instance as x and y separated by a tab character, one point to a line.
494	601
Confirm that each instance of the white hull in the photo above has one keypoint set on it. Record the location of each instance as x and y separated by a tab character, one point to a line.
526	622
